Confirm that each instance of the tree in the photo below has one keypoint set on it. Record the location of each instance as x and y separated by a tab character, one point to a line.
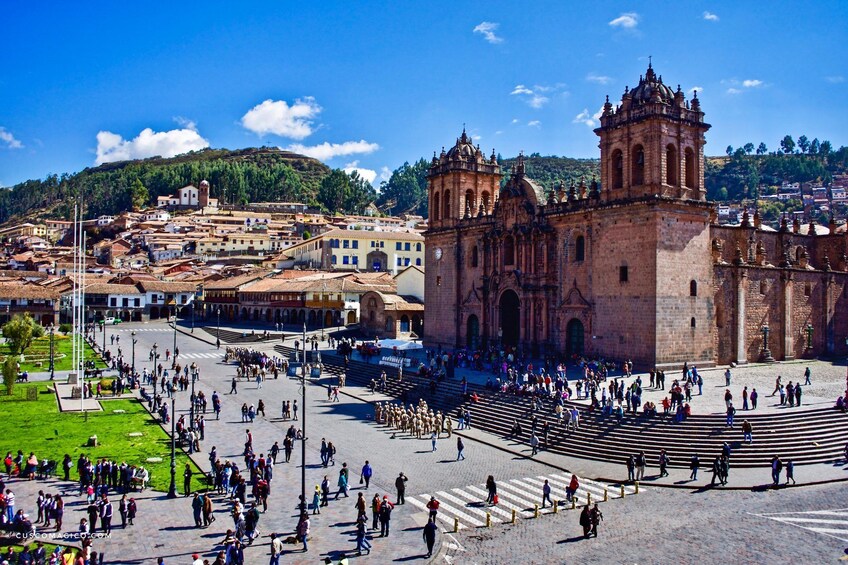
139	195
729	150
804	144
762	149
20	331
360	194
787	144
406	189
825	148
333	191
749	148
10	374
815	146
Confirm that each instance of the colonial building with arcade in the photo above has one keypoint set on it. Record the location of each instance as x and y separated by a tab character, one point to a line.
631	265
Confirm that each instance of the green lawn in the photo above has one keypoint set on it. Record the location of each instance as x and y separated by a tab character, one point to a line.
37	356
38	426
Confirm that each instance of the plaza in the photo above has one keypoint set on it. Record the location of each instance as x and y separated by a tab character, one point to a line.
645	527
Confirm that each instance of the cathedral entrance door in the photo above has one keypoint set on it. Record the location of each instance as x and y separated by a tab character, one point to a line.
574	338
472	333
510	318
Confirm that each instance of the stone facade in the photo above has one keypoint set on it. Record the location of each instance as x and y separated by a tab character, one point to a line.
632	267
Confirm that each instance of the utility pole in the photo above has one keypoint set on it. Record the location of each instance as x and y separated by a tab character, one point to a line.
303	411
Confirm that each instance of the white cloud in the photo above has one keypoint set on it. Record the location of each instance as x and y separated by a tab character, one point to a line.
627	20
710	17
476	137
368	174
600	79
733	91
278	118
534	123
185	123
385	173
535	96
326	151
537	101
148	143
499	132
521	89
836	79
514	120
696	89
487	30
9	139
590	120
752	83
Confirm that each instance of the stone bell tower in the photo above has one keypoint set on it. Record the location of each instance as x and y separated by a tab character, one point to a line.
203	194
652	143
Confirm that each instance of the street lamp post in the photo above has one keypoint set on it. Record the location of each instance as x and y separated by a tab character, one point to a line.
52	361
218	331
191	408
323	307
192	315
303	412
134	340
172	488
174	350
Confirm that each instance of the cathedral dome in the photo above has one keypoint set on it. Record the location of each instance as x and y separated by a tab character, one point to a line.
463	149
651	89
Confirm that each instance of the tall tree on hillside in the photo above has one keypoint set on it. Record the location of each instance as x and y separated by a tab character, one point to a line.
749	148
333	191
825	148
139	195
762	149
360	194
815	146
787	144
406	189
804	144
729	150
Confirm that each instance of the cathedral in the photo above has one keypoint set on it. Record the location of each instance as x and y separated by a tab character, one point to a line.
631	265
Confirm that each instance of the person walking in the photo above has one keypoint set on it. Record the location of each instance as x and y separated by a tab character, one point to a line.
731	411
460	448
790	468
631	468
664	461
197	510
727	376
546	494
375	510
492	489
187	479
807	375
303	531
776	468
586	521
571	489
343	481
276	549
122	510
640	466
234	386
798	395
747	431
400	485
430	536
433	440
534	444
694	464
106	516
386	508
754	396
316	500
361	538
433	507
716	471
595	516
365	474
745	398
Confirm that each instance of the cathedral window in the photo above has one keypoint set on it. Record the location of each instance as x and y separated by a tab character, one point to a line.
623	274
474	256
638	169
485	199
671	165
580	248
689	157
469	201
617	169
692	323
446	211
509	250
693	288
436	206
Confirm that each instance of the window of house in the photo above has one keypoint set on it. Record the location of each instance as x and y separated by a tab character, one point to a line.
333	260
407	246
623	274
580	248
398	246
355	260
418	247
399	261
113	301
137	302
355	244
418	263
406	261
345	244
345	260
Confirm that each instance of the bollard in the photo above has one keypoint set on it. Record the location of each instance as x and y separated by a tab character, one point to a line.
574	502
589	498
455	525
488	519
637	487
536	511
606	495
556	506
622	491
513	515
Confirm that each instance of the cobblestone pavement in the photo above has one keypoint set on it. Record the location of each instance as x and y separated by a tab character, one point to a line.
655	526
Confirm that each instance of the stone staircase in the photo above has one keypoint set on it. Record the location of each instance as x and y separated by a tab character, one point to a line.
807	436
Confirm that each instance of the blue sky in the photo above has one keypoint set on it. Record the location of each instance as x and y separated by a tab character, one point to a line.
371	85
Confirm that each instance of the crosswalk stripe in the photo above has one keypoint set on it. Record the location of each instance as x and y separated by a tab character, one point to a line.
439	515
505	493
501	502
492	509
825	522
814	520
556	492
448	509
442	495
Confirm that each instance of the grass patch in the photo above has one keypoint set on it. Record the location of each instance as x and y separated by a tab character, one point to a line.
40	427
37	356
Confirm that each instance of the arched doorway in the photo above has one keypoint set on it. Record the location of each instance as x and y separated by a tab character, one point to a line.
472	332
510	318
574	337
328	319
351	317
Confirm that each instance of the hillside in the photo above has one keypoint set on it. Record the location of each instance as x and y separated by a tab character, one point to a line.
244	175
548	171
